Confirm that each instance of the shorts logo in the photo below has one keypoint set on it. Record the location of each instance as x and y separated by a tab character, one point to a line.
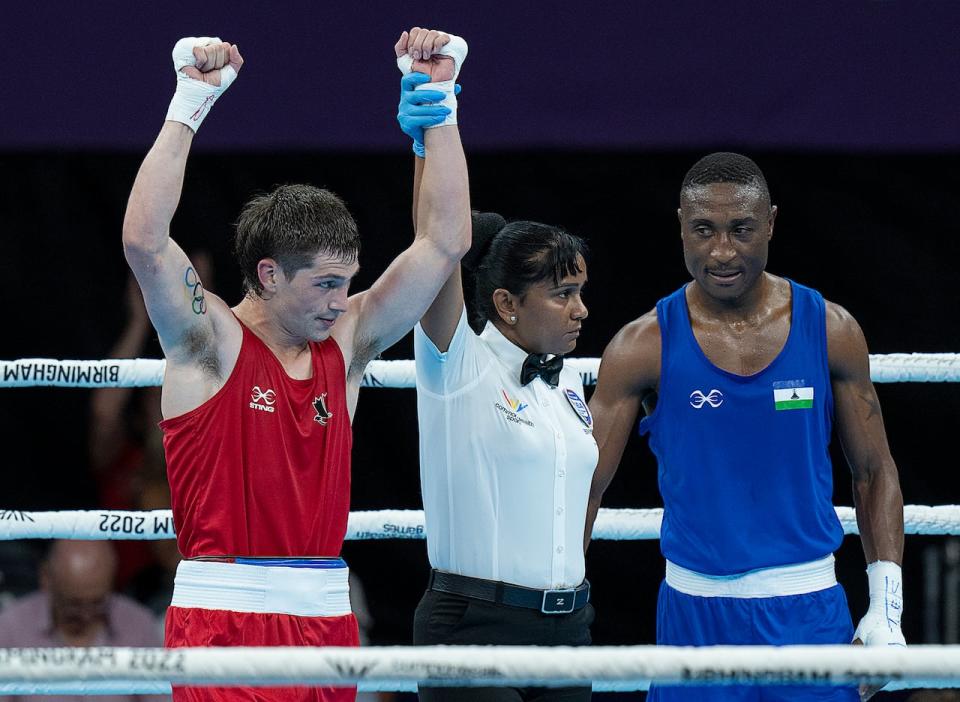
320	405
714	398
262	399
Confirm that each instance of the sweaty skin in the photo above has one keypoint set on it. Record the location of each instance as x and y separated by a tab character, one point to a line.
740	316
199	332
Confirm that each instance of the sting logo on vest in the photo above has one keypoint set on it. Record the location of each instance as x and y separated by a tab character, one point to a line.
262	399
320	405
714	398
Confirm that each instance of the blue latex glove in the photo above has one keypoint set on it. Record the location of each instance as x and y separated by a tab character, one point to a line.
416	110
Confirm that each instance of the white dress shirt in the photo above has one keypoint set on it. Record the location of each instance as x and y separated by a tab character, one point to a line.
505	469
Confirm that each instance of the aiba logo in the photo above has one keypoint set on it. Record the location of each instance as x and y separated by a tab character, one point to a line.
714	398
262	399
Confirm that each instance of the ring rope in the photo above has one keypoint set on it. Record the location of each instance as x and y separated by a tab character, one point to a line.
147	687
612	524
145	372
933	666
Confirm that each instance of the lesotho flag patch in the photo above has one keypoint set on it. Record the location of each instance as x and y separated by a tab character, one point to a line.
792	395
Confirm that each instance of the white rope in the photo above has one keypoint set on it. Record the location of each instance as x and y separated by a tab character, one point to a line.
915	368
612	524
486	665
144	687
142	372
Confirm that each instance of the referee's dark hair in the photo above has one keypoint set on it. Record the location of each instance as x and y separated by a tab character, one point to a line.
516	255
726	167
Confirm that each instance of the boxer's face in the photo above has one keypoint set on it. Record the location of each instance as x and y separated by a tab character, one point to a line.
309	303
549	316
726	230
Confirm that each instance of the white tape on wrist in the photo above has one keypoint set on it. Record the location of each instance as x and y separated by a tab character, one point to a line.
880	626
193	98
456	48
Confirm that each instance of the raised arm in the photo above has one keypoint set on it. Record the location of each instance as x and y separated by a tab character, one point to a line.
418	109
186	317
162	269
628	376
876	483
401	296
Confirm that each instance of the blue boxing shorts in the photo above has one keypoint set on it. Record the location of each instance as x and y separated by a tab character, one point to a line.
820	617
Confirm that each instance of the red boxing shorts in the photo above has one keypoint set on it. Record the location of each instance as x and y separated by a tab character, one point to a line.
324	620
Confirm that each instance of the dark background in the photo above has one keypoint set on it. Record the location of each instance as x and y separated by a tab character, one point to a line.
587	118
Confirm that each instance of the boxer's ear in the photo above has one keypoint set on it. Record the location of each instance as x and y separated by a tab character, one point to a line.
268	272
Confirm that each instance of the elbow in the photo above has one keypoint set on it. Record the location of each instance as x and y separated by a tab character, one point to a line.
135	250
457	247
450	238
138	246
877	479
133	238
458	252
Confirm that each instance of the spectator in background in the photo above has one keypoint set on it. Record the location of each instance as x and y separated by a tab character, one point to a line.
76	606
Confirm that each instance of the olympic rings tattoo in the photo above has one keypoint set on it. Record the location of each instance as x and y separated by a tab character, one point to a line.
192	281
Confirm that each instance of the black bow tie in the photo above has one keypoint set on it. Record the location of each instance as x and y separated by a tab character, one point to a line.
537	364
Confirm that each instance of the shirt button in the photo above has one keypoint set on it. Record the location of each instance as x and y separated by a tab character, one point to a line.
559	549
546	403
559	510
561	473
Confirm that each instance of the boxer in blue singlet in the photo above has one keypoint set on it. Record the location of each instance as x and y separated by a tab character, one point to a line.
742	375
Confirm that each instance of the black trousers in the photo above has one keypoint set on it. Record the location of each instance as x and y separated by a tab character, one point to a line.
442	618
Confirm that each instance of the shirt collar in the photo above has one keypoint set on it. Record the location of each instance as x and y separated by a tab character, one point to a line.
507	351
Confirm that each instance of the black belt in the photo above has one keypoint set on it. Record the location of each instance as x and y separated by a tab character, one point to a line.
547	601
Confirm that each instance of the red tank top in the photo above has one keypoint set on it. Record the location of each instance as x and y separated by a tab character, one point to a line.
262	468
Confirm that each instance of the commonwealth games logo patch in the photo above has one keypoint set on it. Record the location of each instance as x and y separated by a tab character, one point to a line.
792	395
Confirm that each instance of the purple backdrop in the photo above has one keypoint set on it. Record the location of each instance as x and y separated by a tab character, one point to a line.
852	74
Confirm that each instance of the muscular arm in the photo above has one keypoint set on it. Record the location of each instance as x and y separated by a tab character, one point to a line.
440	320
402	295
185	317
876	485
183	313
629	372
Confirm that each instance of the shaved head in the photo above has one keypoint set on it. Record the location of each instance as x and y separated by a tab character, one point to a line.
78	575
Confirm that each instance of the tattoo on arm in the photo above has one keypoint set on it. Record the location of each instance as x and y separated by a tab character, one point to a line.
192	281
872	404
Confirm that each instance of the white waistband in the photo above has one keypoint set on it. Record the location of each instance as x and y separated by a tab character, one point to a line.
305	592
797	579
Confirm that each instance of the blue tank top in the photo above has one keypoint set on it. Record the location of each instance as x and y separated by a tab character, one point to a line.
744	466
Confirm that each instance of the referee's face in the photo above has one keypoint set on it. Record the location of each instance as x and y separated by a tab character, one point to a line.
549	316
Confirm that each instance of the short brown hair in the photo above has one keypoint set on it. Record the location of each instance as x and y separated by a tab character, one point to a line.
292	225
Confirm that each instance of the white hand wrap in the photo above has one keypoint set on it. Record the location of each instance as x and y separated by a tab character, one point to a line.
880	626
456	48
193	98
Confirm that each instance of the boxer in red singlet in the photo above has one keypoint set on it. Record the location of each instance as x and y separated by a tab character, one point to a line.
257	399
